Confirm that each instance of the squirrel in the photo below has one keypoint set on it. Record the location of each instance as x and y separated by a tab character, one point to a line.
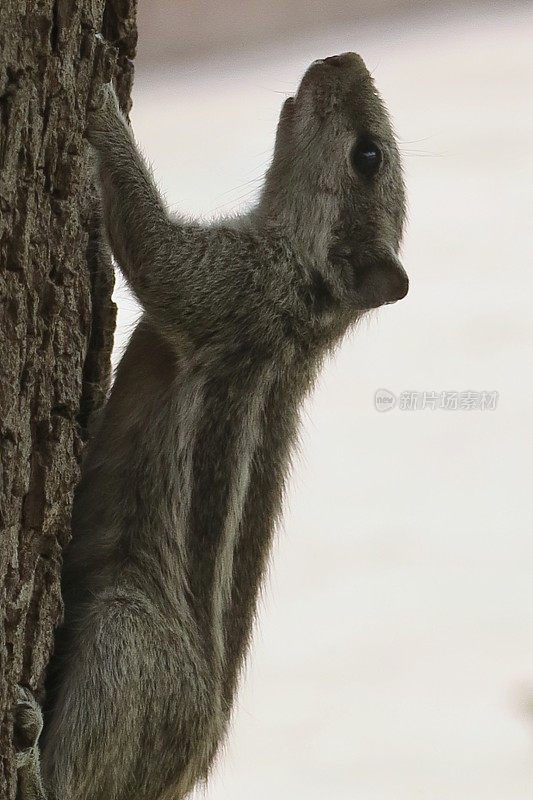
183	480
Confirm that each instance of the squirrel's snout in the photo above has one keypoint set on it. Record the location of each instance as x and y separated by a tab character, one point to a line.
343	60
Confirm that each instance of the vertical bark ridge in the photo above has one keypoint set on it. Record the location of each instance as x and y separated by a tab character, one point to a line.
56	313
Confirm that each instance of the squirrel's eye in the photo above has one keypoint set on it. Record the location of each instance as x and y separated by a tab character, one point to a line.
366	157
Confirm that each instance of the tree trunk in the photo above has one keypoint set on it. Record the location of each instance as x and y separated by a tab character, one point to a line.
56	313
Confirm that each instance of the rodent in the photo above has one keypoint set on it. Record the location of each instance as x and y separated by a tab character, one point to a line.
183	480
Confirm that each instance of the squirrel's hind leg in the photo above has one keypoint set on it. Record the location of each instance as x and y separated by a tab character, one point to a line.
27	727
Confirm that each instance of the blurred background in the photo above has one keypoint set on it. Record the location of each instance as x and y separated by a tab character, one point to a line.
394	652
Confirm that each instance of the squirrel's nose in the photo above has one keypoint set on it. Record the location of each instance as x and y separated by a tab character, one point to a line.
343	60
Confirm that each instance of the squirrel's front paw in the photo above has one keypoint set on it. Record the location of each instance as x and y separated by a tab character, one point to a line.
104	116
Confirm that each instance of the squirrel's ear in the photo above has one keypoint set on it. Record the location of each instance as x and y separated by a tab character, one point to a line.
373	278
380	282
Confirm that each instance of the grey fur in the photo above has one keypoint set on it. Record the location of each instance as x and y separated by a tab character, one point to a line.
182	482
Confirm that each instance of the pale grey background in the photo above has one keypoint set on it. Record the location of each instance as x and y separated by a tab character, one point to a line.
394	655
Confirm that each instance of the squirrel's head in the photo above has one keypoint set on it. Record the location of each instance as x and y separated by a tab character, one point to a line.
335	183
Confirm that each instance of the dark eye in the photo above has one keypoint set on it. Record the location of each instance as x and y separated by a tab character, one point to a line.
366	157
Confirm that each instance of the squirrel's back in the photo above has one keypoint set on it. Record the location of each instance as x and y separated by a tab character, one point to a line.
157	558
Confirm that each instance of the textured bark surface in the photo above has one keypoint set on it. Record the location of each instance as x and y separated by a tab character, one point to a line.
56	313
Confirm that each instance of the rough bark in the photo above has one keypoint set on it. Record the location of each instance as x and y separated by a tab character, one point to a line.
56	313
